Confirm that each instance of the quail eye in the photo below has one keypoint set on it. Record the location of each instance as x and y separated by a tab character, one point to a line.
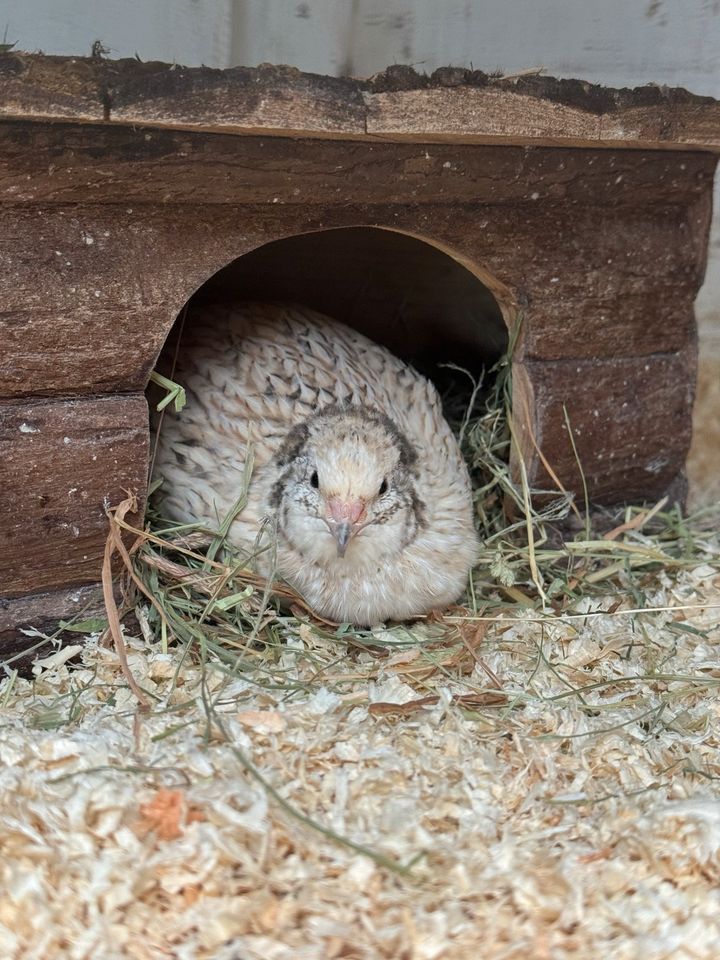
314	479
383	488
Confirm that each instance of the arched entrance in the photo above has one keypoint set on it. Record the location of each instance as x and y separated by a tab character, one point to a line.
420	301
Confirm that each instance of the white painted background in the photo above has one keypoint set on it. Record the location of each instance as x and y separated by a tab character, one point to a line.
615	42
619	42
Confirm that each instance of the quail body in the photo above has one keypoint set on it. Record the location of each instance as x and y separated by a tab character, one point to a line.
359	497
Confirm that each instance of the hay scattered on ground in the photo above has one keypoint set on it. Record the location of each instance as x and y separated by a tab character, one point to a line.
547	787
532	774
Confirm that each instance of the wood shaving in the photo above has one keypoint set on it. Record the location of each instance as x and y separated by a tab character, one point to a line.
575	812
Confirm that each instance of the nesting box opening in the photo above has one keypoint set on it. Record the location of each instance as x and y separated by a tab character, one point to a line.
426	306
324	457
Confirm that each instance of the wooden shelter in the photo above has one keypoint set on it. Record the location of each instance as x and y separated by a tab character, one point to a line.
578	211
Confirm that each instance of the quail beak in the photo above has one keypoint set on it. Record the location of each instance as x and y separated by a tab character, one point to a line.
343	534
344	521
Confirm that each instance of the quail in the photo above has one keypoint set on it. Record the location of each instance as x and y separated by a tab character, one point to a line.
359	497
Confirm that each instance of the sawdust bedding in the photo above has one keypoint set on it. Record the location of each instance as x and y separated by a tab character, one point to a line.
556	795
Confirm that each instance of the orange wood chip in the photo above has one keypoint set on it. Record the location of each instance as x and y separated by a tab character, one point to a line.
167	814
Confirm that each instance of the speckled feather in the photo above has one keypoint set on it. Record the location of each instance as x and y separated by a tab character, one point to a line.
259	373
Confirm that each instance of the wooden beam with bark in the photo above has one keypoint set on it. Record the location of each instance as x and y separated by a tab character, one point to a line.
62	463
453	105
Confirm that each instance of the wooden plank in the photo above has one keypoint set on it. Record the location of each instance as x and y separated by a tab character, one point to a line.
453	105
79	317
50	607
50	87
42	612
631	420
490	113
77	163
638	323
693	125
90	295
80	349
614	283
61	463
495	114
268	99
265	98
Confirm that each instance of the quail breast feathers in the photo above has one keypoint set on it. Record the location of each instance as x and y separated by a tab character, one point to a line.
368	497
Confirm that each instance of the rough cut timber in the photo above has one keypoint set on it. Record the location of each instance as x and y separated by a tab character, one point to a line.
124	187
453	104
62	462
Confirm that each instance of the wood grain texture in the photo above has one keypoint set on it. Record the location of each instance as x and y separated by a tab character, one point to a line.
57	163
57	87
61	462
42	612
603	251
631	419
496	114
72	327
452	105
271	99
266	98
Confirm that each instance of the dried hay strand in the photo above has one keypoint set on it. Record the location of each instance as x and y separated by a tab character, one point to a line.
533	773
